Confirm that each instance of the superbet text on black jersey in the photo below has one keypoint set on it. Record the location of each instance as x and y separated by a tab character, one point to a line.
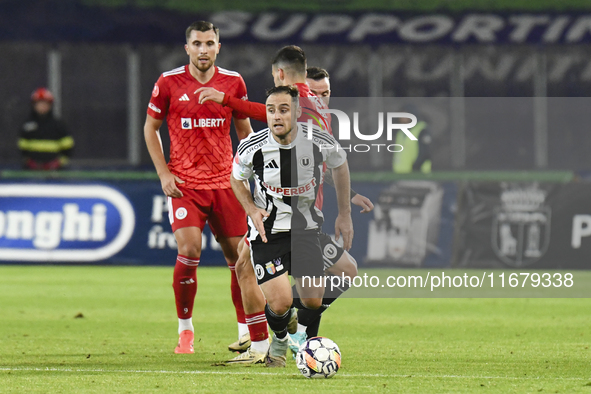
200	143
287	177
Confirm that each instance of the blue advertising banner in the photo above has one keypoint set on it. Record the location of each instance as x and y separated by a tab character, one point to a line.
126	223
115	222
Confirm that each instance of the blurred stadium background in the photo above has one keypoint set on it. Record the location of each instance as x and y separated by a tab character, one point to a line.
101	58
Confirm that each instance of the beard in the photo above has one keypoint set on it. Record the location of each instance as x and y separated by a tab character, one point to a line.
203	67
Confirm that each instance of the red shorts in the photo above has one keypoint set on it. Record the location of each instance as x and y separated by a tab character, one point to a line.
219	208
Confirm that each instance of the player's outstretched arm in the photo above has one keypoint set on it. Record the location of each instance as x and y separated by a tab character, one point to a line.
154	144
255	111
244	197
210	94
343	224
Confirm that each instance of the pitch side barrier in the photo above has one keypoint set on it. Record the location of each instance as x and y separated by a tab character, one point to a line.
444	219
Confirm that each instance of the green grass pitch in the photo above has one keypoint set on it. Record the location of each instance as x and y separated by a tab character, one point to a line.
125	338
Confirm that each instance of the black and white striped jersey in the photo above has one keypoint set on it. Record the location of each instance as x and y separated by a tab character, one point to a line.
287	177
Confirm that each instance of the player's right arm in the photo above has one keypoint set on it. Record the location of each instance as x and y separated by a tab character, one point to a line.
242	170
255	213
154	144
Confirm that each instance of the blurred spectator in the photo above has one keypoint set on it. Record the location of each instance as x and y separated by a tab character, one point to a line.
416	155
44	141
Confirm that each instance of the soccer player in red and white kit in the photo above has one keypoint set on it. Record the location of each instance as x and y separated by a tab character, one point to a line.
197	177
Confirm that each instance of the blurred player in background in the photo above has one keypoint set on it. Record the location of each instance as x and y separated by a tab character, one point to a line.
319	82
337	261
289	68
284	220
44	142
197	177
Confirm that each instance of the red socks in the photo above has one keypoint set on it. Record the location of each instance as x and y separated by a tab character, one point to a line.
185	285
236	296
257	326
185	288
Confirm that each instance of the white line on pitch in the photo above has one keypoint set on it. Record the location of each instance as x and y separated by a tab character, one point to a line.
348	375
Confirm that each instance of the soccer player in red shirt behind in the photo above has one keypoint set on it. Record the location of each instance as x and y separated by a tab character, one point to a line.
197	177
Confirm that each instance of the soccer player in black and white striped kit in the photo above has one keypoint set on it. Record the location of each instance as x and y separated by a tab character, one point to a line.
284	222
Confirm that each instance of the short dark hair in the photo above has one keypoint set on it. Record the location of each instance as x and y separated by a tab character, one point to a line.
287	89
317	73
292	56
202	26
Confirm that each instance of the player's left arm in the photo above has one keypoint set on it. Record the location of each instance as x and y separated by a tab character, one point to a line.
356	198
243	127
343	224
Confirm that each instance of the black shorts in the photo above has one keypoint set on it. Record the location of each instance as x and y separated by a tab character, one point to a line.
331	251
299	255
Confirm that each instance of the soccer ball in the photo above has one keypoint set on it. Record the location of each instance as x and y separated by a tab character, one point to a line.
318	357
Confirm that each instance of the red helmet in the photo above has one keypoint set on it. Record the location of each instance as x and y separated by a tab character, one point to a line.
42	94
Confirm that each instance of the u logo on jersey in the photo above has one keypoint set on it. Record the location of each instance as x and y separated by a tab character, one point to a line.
305	161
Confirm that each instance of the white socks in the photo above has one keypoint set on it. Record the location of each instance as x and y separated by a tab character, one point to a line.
302	328
260	346
186	324
242	329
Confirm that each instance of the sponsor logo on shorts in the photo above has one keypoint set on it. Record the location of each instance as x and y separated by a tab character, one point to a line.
278	264
181	213
270	268
260	272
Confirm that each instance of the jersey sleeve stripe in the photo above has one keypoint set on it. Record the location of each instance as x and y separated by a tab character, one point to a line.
252	141
228	72
178	70
324	137
247	144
